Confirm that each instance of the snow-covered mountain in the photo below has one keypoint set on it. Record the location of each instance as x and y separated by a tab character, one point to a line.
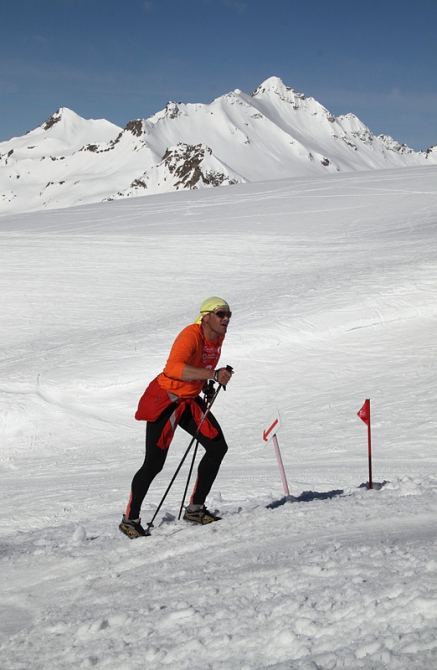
273	133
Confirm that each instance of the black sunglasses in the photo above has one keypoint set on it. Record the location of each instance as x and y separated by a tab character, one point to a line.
222	313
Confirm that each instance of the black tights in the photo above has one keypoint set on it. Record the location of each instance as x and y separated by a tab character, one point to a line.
209	465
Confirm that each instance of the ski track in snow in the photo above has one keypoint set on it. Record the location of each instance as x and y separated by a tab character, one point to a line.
333	288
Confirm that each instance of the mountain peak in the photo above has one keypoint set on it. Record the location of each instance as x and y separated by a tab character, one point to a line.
274	82
275	85
62	114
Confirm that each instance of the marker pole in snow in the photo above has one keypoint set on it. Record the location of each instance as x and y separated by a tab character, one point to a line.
270	434
369	451
281	465
364	415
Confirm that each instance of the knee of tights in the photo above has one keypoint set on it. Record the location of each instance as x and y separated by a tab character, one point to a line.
219	453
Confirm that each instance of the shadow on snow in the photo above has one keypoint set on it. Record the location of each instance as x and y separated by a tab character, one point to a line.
309	496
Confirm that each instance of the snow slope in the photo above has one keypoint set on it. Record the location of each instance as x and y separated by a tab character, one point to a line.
274	133
333	285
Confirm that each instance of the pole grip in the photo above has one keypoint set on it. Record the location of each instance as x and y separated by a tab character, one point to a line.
229	368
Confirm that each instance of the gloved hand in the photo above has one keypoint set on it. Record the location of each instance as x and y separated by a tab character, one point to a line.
223	375
208	390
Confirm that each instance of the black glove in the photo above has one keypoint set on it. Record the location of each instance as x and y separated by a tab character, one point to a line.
229	372
208	390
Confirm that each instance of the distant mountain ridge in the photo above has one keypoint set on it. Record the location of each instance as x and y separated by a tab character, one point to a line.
274	133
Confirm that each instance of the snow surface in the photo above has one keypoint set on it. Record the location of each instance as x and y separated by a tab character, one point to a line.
333	286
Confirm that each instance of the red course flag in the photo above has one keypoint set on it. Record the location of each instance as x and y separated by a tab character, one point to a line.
364	412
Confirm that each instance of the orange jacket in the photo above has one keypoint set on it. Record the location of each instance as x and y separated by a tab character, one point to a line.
191	347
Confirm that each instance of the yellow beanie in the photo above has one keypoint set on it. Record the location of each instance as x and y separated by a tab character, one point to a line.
210	305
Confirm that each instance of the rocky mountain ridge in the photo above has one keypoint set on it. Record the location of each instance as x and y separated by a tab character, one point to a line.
273	133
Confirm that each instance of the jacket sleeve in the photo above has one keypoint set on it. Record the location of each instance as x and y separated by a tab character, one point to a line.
183	352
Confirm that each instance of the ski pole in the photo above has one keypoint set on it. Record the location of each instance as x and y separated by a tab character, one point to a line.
228	367
150	524
211	386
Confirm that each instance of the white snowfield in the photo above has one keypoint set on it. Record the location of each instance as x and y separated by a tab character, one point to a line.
333	285
274	133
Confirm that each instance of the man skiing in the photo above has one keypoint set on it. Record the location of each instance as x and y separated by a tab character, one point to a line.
173	399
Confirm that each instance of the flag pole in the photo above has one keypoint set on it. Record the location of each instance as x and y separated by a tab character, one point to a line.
369	439
364	415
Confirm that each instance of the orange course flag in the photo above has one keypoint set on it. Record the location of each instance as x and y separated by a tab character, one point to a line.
364	412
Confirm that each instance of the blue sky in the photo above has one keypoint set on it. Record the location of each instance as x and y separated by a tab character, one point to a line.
125	59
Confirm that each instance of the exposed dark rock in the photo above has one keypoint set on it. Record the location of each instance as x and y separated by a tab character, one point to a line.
138	183
53	120
172	110
184	162
135	127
